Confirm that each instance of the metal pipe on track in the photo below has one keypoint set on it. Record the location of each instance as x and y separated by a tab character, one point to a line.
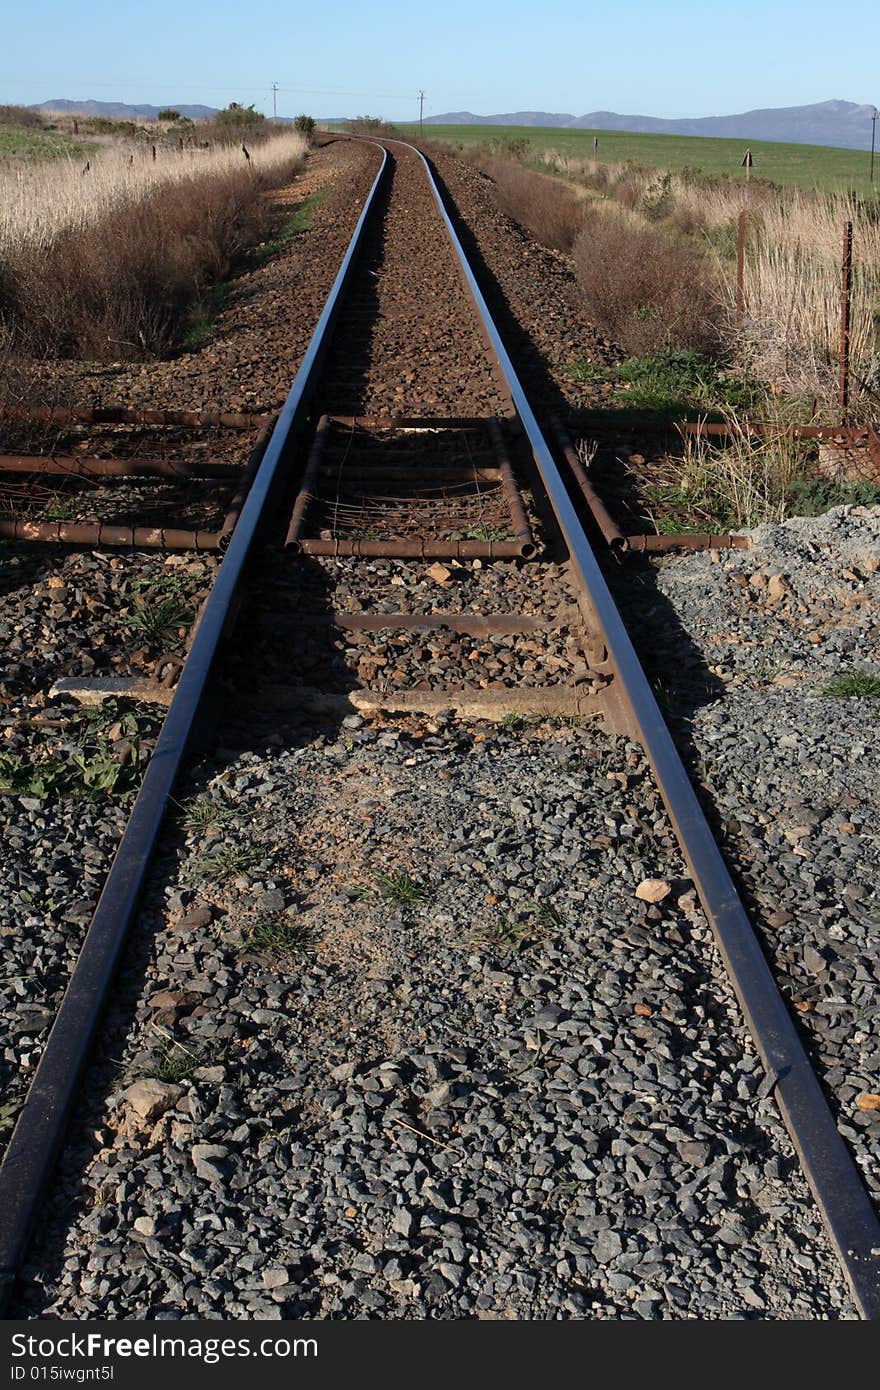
41	1124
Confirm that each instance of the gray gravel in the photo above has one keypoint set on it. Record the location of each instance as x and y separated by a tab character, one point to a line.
524	1094
793	773
483	1078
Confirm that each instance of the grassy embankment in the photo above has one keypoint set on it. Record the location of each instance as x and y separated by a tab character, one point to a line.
653	245
803	166
113	260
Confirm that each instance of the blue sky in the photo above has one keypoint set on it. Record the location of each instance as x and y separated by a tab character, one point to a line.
344	58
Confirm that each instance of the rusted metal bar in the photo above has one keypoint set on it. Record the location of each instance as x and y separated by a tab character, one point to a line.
247	477
307	486
599	512
122	415
414	550
71	466
688	540
519	520
845	312
740	266
853	436
97	533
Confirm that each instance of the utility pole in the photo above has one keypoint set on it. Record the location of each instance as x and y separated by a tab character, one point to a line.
421	108
274	101
873	134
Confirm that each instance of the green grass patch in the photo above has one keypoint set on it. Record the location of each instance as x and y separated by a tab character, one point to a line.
855	685
224	864
278	938
156	617
401	888
89	766
201	321
814	496
299	221
803	166
674	384
22	143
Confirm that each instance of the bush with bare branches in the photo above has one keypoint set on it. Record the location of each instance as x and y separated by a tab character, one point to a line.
643	288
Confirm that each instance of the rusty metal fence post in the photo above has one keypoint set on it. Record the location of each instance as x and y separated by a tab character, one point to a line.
845	311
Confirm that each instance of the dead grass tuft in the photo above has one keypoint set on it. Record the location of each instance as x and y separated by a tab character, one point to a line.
645	289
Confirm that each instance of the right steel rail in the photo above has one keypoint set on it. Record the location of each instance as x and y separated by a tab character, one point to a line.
843	1200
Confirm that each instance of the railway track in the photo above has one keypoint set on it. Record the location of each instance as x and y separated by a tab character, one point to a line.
412	543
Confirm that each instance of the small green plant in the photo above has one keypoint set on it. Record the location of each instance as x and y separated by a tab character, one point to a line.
94	771
205	812
509	934
59	509
855	685
401	888
172	1063
8	1114
201	322
514	723
481	533
813	496
548	915
305	125
765	670
278	938
157	617
223	864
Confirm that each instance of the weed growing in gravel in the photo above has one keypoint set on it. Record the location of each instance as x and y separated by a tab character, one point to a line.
514	723
100	766
299	221
548	915
509	934
173	1063
223	864
59	509
157	617
7	1118
401	888
278	938
205	812
854	685
481	533
765	671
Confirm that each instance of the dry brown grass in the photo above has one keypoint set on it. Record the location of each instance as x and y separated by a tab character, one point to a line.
791	332
112	278
643	288
547	210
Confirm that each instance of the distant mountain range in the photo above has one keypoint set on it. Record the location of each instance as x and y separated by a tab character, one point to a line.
843	123
117	110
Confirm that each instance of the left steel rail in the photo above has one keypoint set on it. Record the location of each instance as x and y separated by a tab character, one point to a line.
42	1121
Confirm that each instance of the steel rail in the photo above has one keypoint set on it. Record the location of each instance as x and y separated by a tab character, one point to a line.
41	1124
843	1200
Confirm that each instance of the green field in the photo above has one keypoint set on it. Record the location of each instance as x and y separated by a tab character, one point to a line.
20	142
807	166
